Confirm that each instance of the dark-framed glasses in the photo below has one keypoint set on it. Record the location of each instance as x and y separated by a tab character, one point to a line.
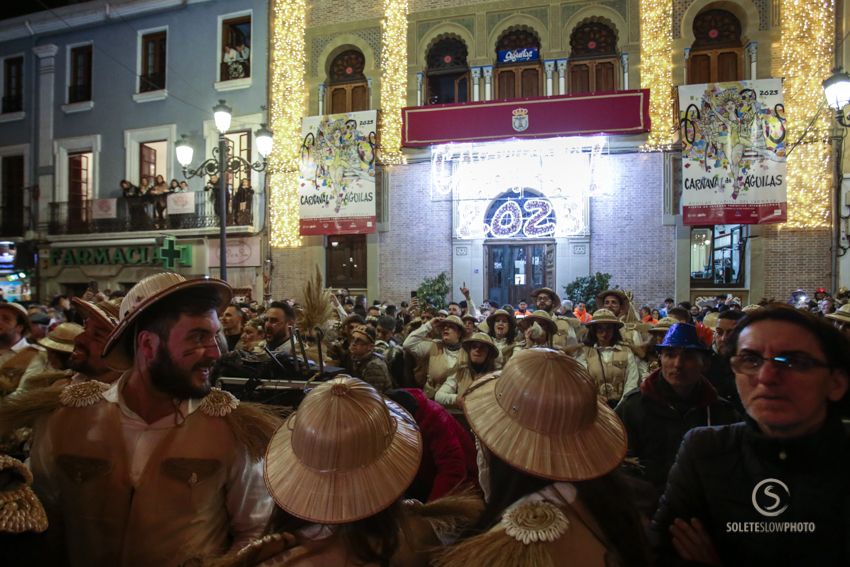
751	363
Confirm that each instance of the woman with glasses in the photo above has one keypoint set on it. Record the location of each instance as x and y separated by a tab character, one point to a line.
775	489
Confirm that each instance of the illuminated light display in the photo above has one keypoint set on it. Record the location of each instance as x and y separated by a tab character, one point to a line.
656	69
808	28
288	97
393	79
532	188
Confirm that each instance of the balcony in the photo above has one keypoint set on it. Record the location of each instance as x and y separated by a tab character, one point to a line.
13	104
140	214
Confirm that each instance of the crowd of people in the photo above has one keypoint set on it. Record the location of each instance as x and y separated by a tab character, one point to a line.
536	435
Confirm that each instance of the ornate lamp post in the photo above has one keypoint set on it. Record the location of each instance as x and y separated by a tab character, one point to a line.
222	162
837	91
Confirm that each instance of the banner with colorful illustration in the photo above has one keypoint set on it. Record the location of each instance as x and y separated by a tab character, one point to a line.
733	153
337	179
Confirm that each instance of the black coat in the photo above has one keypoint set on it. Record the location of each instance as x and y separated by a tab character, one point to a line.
716	475
656	421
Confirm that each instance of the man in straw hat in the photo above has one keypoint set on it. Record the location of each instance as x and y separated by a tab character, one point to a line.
841	319
158	464
670	401
100	320
365	363
59	345
547	300
17	356
617	302
548	451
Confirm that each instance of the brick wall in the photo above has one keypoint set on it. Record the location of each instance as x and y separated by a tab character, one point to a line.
627	238
418	243
795	258
293	267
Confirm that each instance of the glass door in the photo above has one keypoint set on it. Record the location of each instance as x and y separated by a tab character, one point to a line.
515	270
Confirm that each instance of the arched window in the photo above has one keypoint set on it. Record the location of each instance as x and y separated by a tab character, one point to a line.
594	63
347	87
717	54
448	72
518	70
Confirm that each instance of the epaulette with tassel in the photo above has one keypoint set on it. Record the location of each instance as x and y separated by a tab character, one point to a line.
83	394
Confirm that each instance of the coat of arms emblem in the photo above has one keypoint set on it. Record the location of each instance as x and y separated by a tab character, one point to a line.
520	119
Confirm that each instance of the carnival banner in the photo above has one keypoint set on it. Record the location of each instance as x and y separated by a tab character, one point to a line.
181	203
337	179
104	209
733	153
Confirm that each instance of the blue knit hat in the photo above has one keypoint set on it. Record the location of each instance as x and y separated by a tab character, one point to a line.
682	335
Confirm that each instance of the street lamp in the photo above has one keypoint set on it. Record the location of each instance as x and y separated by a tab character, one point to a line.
837	91
223	162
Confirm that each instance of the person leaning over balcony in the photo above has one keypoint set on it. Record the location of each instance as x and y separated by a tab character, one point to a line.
774	489
243	202
135	203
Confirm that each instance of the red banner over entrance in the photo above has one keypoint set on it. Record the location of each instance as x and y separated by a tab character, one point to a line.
623	112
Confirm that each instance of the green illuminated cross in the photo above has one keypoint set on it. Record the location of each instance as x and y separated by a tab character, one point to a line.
171	254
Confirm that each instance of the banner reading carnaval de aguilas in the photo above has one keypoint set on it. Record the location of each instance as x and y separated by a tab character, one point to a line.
733	153
337	179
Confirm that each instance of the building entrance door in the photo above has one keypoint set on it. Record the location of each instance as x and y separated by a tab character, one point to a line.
515	270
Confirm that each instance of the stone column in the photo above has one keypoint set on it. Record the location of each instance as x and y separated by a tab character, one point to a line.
369	86
549	68
624	63
322	89
753	52
562	76
420	80
687	59
46	87
476	84
488	82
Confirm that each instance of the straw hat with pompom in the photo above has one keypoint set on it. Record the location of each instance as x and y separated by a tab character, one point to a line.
345	455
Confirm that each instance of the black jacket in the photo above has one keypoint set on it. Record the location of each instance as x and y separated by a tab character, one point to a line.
716	476
656	420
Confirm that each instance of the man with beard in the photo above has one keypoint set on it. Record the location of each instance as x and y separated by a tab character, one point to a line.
157	467
547	300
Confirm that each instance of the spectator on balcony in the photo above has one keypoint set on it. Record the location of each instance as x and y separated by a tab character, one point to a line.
135	203
184	186
174	186
160	195
243	202
213	186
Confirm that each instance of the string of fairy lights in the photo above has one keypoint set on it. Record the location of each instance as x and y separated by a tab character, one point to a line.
808	28
288	100
656	69
393	79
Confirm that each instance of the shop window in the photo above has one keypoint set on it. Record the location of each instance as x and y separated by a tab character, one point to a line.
348	90
717	256
717	54
594	63
12	195
448	72
13	80
153	63
346	261
235	48
518	70
79	78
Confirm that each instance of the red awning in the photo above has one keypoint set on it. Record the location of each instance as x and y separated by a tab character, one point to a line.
623	112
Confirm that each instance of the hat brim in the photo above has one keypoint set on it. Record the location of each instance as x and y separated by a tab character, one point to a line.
529	320
467	345
123	360
556	299
618	323
839	316
440	323
50	344
624	300
331	497
592	452
89	309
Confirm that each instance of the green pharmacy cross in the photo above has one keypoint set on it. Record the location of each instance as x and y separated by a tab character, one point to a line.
171	255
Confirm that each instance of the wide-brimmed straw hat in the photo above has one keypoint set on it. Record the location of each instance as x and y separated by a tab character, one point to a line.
469	317
20	311
556	300
542	415
62	337
345	455
624	299
364	331
450	320
105	312
543	318
146	294
842	315
483	338
605	317
663	325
